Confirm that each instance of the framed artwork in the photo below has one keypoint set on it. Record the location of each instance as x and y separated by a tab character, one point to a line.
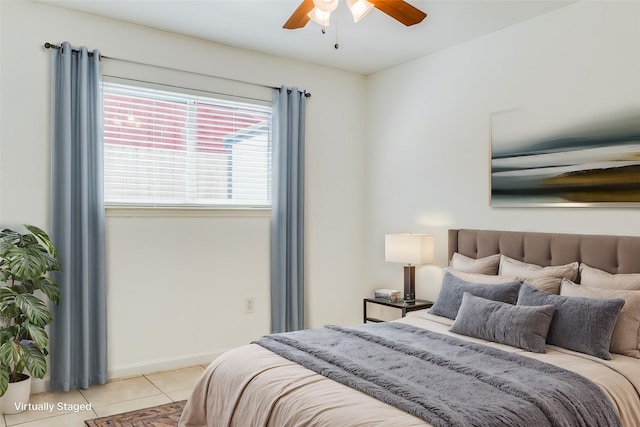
540	160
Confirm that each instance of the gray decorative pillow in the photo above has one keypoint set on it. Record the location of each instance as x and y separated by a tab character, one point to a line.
514	325
625	338
450	296
579	324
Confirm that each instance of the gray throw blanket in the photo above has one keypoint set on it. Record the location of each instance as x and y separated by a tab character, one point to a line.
444	380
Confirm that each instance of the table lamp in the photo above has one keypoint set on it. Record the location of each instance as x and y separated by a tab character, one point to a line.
412	250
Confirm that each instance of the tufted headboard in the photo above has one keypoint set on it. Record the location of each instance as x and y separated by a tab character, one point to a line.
615	254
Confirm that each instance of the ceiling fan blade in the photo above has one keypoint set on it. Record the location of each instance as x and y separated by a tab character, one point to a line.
299	18
400	11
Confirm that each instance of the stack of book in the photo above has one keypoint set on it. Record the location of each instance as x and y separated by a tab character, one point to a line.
388	294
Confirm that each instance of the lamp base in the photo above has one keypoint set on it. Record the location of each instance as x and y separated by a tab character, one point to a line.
409	283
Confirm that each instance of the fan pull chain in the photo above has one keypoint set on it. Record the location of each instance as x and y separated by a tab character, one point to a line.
336	45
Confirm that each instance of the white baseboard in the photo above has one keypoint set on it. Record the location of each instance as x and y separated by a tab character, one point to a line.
142	368
159	365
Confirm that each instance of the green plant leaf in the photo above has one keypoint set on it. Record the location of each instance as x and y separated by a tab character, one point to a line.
44	238
4	379
28	240
34	309
10	313
7	303
52	263
26	263
9	332
7	293
4	245
4	274
36	363
10	236
37	334
49	288
11	354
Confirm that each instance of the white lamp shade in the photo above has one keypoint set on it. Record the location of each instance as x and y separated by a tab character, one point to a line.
326	5
413	249
359	8
320	17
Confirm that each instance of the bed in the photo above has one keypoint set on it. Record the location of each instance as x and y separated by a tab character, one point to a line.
254	386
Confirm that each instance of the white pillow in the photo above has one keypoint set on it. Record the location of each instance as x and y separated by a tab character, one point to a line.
513	267
596	278
486	265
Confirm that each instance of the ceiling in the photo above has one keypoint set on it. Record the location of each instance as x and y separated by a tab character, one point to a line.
373	44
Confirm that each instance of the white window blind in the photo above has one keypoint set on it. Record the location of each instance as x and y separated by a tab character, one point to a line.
167	149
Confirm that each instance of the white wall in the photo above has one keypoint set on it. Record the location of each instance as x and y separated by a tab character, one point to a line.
177	282
428	126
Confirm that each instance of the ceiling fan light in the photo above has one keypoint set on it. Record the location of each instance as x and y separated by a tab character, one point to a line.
326	5
319	17
359	8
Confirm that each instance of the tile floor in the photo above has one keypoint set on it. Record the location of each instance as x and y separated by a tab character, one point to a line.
112	398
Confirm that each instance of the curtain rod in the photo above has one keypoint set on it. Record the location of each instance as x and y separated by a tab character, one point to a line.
48	45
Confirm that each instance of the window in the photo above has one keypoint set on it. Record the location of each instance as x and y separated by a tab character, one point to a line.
167	149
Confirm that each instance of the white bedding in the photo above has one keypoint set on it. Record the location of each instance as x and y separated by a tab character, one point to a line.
251	386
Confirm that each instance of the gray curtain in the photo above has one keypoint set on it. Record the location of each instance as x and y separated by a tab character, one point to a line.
287	217
79	328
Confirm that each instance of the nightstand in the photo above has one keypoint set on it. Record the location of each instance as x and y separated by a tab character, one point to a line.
406	307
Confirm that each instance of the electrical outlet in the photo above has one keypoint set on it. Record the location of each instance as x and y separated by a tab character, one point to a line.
250	305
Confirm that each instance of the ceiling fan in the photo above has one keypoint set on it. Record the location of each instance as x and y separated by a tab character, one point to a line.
320	11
